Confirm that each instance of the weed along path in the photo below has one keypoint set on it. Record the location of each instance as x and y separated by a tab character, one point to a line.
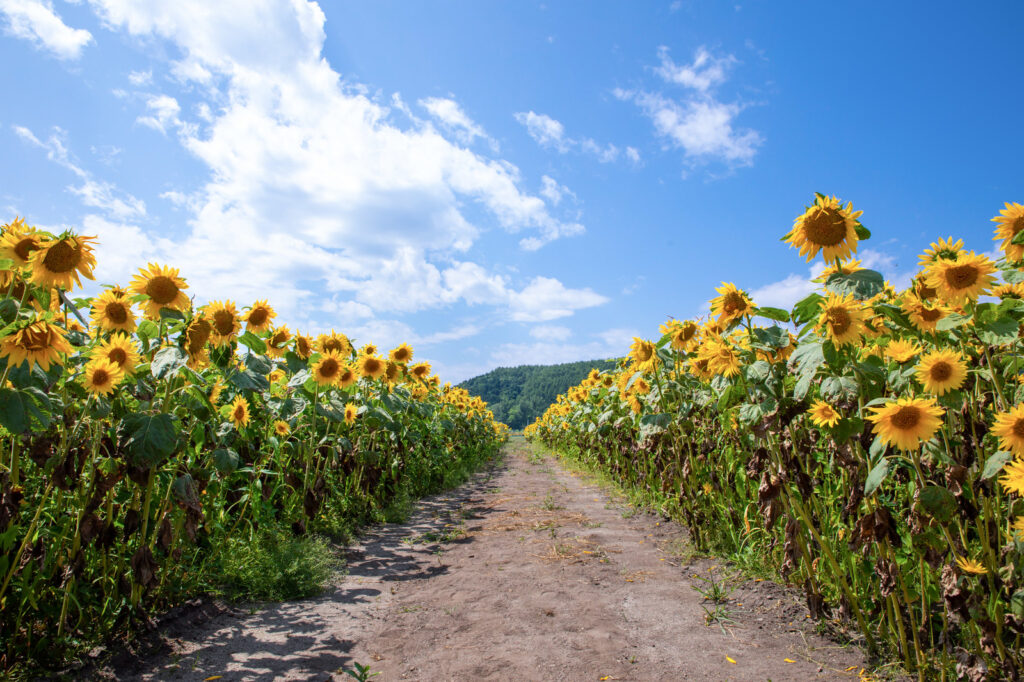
528	572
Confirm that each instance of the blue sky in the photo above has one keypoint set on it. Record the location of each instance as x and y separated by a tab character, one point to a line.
502	183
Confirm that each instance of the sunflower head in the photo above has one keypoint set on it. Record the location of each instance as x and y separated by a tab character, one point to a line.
971	566
901	350
731	303
277	344
907	422
402	354
259	317
1009	428
941	371
223	318
163	288
328	368
101	376
62	262
303	346
824	415
842	319
197	334
238	412
120	350
372	366
351	412
963	279
281	428
368	349
924	315
349	375
38	343
19	241
944	249
334	341
112	312
1009	222
825	226
644	355
420	371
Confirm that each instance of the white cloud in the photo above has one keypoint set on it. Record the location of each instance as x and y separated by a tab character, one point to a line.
553	191
37	22
699	124
140	78
608	344
548	299
451	115
163	112
546	332
633	154
550	133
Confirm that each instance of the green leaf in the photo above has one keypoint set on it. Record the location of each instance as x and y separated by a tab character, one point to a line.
802	386
651	424
150	439
773	313
248	380
171	314
952	321
184	489
167	362
6	264
1018	238
259	364
807	309
807	358
774	336
863	284
995	463
253	343
998	332
876	477
758	371
846	428
13	410
863	233
226	460
939	503
300	378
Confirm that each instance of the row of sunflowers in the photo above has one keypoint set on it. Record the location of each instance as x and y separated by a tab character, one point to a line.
136	443
871	453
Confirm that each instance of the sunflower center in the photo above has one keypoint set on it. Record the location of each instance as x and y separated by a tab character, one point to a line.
941	371
117	355
372	365
198	334
826	227
161	289
930	314
25	247
35	338
1018	428
278	339
62	257
239	413
961	276
257	316
303	346
116	312
224	322
926	292
643	354
734	302
906	418
329	368
100	377
401	355
839	320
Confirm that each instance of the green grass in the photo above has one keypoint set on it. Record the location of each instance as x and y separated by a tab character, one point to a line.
275	565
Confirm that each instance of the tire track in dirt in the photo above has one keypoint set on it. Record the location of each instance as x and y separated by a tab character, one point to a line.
527	572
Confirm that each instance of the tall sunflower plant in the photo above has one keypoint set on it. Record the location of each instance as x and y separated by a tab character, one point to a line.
866	445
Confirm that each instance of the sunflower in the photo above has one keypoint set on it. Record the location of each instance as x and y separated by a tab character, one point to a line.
392	372
722	358
333	341
1005	291
327	369
371	366
963	279
924	316
39	343
281	428
906	422
842	319
944	249
303	346
259	316
351	412
901	351
238	412
368	349
402	354
101	376
12	285
223	316
198	361
684	337
827	227
837	268
197	334
1012	479
941	371
1009	222
823	414
348	375
731	304
699	368
111	312
421	370
971	566
1009	427
62	262
19	241
216	390
641	386
607	380
120	350
644	355
1018	527
164	288
277	344
634	403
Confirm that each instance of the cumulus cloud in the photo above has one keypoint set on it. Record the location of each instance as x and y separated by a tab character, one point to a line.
546	299
37	22
698	122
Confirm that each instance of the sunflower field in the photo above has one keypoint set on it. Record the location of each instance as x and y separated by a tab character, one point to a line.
867	445
136	444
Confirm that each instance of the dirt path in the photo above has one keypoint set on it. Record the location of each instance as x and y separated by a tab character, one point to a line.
529	572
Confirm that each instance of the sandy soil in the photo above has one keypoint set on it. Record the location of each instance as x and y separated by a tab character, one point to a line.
528	572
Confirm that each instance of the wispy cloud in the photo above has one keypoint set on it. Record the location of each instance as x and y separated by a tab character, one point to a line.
37	22
550	134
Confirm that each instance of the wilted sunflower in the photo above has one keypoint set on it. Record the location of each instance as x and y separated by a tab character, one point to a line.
823	414
906	422
238	412
259	316
120	350
101	376
1009	222
112	312
827	227
303	346
963	279
644	355
339	343
371	366
351	412
164	288
197	334
277	344
901	350
842	318
971	566
944	249
281	428
731	304
61	262
1009	427
223	316
924	316
328	367
402	354
941	371
19	241
40	343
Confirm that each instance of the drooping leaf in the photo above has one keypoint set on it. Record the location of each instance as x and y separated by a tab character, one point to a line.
253	343
876	477
226	460
167	362
773	313
863	284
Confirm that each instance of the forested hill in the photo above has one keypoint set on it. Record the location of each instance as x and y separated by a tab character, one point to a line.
518	395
